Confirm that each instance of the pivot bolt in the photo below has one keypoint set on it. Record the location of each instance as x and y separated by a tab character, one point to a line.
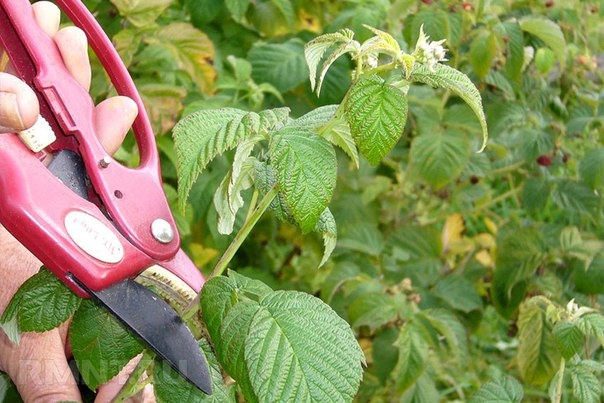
162	231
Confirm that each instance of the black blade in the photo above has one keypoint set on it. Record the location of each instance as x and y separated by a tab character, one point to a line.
158	325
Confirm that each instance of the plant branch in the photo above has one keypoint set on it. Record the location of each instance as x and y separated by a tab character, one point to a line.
132	385
251	220
559	383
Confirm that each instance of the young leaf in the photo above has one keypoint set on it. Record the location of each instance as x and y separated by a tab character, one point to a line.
334	129
326	226
169	386
412	357
310	352
339	43
448	78
200	137
306	173
568	338
505	389
101	345
42	303
537	356
376	113
141	13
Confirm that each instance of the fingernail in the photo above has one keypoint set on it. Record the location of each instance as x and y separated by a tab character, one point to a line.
10	116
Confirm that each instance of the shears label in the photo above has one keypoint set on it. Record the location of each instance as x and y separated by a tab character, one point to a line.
94	237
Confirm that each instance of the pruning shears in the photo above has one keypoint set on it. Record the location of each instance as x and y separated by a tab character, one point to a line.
95	223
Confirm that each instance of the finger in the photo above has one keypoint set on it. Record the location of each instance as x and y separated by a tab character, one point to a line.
112	119
18	104
73	45
48	17
39	369
109	391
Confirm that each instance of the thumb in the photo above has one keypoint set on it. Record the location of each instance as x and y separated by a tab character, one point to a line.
19	107
39	369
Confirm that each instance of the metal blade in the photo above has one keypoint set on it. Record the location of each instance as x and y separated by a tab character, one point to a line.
158	325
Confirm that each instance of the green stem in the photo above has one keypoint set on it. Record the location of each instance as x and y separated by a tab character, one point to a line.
559	383
132	385
250	221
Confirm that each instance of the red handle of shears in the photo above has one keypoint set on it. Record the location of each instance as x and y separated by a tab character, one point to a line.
37	208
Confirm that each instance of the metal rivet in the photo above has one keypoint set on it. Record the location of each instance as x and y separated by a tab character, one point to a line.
104	163
162	231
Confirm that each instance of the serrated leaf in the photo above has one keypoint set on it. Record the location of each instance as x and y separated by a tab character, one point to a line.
412	357
440	157
537	356
503	390
549	32
449	330
169	386
376	113
305	171
338	43
575	196
326	226
283	326
42	303
568	338
227	198
591	168
586	385
448	78
100	344
200	137
382	42
141	13
280	64
191	49
592	325
333	128
423	391
459	293
373	310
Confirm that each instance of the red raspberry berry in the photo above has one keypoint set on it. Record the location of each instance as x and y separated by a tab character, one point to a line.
544	160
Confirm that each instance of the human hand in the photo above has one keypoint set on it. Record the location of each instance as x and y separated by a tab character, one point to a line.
38	365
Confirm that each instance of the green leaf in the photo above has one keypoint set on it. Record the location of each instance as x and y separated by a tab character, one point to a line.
537	356
423	391
592	325
412	357
450	333
482	53
338	44
376	113
503	390
575	196
227	198
169	386
280	64
42	303
333	128
237	8
101	345
141	13
313	354
200	137
306	173
586	385
326	226
591	168
440	157
549	32
448	78
373	310
568	338
459	293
